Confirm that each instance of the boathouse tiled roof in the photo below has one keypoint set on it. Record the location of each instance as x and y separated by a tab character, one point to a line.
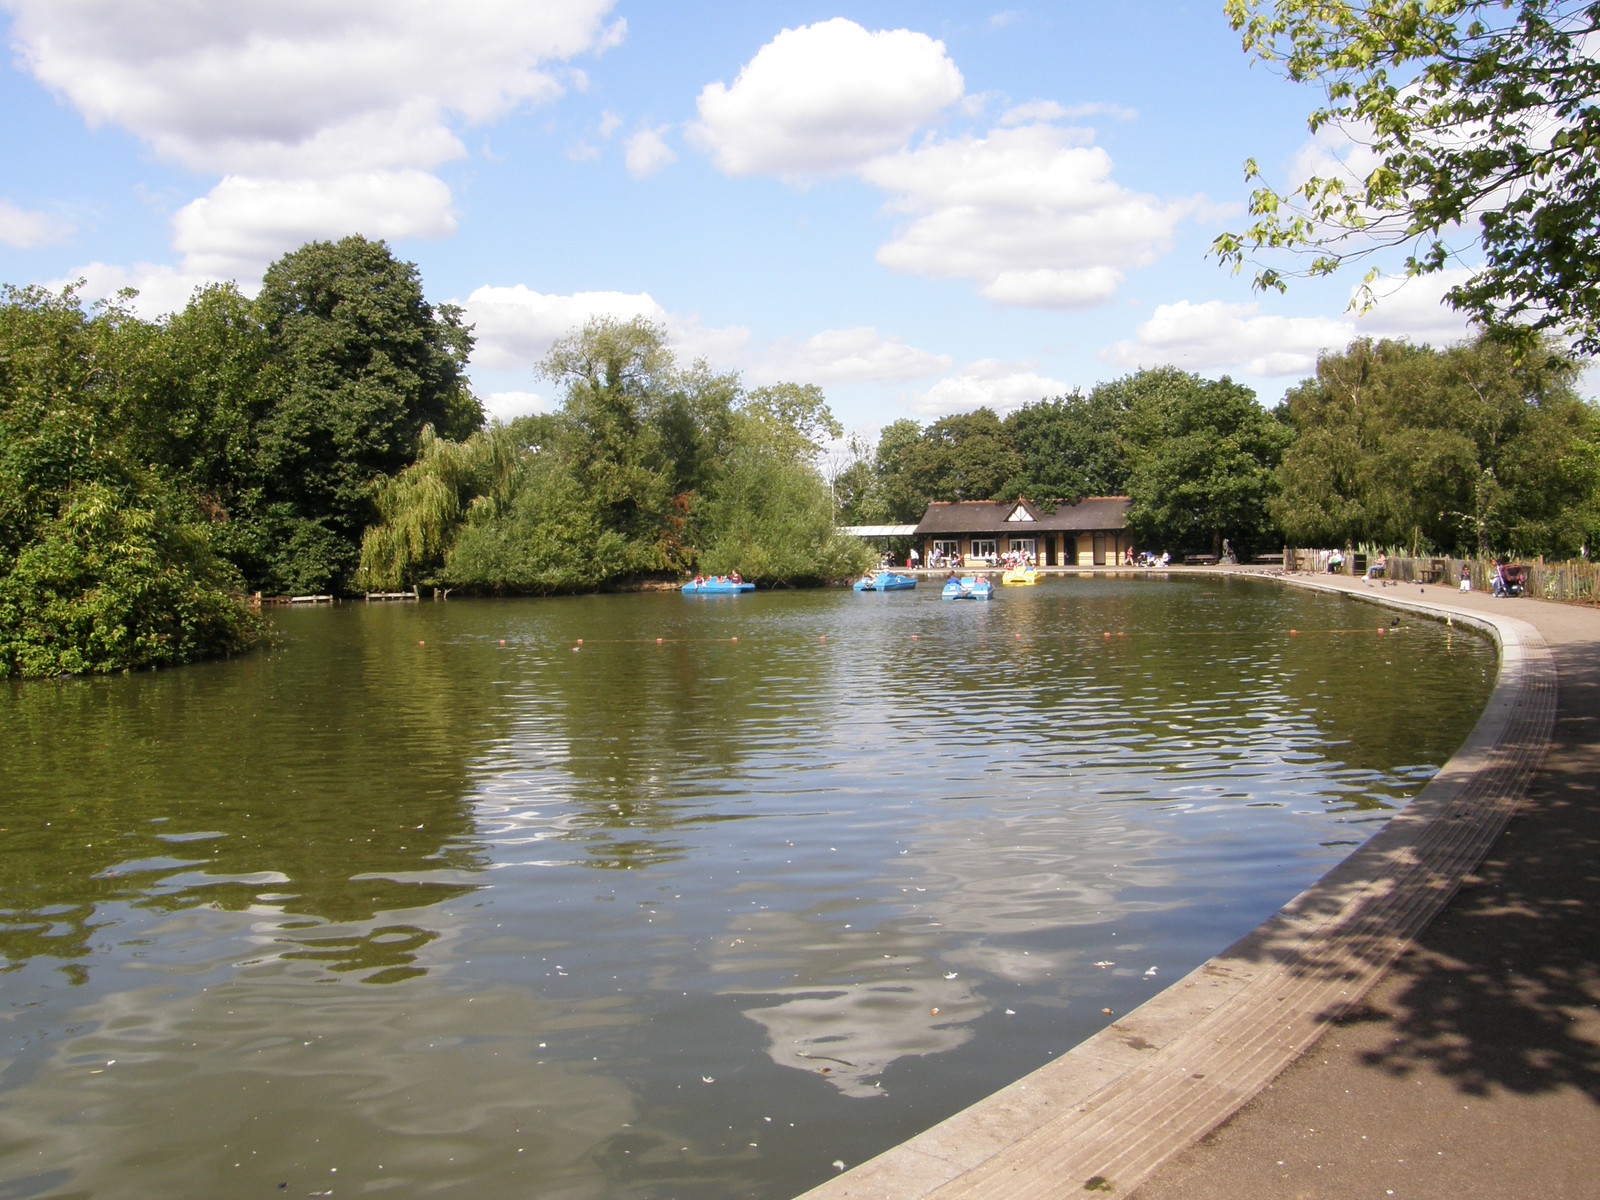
1016	516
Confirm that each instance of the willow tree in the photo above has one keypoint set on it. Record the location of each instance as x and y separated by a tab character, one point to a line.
420	509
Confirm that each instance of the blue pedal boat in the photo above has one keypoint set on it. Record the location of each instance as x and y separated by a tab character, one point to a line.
885	581
967	587
716	586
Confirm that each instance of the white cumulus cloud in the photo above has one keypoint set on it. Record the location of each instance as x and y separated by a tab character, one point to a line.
1415	309
987	383
162	289
857	355
25	228
515	326
1215	334
1030	213
506	405
825	98
319	117
214	86
646	152
244	222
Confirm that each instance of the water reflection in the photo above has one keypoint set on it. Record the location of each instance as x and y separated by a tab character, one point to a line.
441	899
165	1089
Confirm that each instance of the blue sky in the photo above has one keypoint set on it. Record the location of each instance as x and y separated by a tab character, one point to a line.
920	207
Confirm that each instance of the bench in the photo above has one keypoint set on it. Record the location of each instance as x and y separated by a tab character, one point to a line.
1200	560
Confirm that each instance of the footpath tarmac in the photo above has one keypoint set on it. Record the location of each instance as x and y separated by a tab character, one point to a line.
1471	1069
1422	1023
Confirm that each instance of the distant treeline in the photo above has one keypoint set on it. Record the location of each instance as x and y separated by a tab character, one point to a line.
322	438
1479	449
154	472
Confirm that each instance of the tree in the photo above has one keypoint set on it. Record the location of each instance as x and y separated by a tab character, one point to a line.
1070	446
901	498
797	417
854	483
772	518
639	436
1480	126
1473	448
1202	455
966	456
421	509
361	363
646	468
105	559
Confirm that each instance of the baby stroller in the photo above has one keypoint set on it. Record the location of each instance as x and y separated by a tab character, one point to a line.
1509	580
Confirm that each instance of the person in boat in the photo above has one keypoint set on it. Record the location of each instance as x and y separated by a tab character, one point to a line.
736	578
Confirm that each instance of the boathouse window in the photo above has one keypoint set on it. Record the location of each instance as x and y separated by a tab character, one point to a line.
1028	546
947	550
984	548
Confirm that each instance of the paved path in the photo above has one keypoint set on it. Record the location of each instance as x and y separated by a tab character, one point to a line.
1471	1071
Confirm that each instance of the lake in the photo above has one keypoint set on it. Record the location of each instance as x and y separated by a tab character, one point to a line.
649	896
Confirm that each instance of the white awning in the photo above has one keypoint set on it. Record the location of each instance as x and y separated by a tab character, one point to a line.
872	531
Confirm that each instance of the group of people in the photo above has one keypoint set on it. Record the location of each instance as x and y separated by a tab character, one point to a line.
1146	559
733	577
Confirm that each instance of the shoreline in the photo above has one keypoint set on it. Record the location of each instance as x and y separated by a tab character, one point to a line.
1109	1113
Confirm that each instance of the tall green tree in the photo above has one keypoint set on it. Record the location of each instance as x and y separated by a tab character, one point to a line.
900	497
771	516
105	559
966	456
1202	457
1474	448
1070	446
1481	137
854	483
361	362
639	435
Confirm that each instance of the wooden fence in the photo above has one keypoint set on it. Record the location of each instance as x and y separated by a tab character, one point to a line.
1578	582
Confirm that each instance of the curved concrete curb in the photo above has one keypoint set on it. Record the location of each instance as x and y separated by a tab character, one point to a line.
1103	1116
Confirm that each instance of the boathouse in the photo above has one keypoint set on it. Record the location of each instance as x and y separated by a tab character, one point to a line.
1090	532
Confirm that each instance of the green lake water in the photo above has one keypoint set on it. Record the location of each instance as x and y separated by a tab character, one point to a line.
435	900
